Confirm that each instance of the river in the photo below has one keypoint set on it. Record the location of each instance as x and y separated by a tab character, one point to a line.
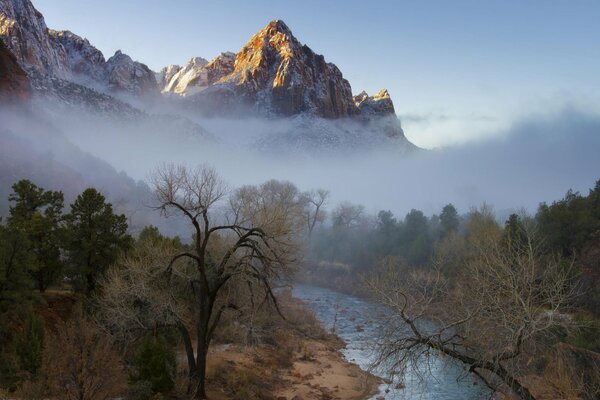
356	323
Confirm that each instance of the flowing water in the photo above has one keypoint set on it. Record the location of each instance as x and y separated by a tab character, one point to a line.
356	322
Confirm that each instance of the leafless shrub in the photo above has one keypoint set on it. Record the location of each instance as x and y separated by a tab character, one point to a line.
81	363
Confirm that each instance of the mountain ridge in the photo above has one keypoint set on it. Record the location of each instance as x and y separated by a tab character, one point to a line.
274	75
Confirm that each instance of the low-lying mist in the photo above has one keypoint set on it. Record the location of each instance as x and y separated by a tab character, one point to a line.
536	160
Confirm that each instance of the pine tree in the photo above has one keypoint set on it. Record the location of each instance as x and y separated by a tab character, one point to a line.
94	238
33	228
448	220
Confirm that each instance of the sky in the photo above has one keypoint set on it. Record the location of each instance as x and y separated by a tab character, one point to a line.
458	72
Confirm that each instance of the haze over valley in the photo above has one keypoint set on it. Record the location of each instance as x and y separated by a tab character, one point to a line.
299	177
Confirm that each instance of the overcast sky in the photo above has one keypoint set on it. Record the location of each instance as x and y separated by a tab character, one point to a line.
458	71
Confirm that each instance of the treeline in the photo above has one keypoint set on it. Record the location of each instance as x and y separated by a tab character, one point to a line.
506	299
569	227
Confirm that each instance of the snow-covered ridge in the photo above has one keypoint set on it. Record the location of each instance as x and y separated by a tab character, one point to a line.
196	75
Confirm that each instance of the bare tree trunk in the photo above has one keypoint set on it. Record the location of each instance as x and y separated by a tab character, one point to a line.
203	342
494	368
201	373
189	351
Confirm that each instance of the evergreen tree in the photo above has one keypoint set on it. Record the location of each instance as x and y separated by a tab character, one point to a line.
568	224
448	220
15	283
515	235
416	239
155	363
34	230
94	238
29	348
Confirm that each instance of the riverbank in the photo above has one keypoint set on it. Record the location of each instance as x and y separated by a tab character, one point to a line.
306	363
318	371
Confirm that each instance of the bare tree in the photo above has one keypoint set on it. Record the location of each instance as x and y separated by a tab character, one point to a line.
315	201
255	242
81	362
347	215
506	301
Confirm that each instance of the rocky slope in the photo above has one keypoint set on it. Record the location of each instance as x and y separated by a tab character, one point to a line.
63	54
14	82
377	105
125	75
83	60
275	75
25	33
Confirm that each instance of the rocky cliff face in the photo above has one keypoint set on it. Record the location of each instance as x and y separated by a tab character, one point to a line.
165	75
14	83
378	105
24	32
125	75
275	74
83	60
63	54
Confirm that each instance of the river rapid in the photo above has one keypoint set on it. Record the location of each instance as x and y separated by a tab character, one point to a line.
356	322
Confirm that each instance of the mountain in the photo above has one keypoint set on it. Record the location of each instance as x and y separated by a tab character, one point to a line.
276	75
64	55
273	77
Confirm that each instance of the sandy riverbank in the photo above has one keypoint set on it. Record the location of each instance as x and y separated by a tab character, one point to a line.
301	367
317	371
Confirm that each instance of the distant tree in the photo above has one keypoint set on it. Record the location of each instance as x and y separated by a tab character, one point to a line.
515	233
386	236
347	215
417	241
151	233
448	220
568	224
386	223
35	217
482	227
314	201
95	236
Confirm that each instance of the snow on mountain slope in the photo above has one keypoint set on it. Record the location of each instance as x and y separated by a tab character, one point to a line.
197	74
65	55
274	76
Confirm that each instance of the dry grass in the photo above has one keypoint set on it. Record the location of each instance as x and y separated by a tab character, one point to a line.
241	383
